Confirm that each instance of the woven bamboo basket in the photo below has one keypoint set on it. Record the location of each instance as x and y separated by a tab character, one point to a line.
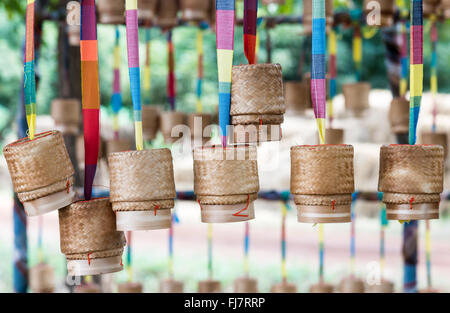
283	287
411	179
307	16
321	287
66	114
118	145
209	286
147	11
166	13
439	139
200	126
42	279
322	182
334	136
41	172
387	10
89	238
168	120
195	10
170	286
245	285
129	287
399	115
88	288
226	183
150	122
257	100
351	284
298	95
73	33
111	11
356	97
142	189
384	286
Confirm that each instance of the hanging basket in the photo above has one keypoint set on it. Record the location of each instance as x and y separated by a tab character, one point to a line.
66	114
73	33
147	11
89	238
195	10
257	103
226	183
356	97
321	287
168	120
399	115
322	182
307	16
142	189
298	95
170	286
351	284
383	286
166	16
283	287
88	288
42	279
245	285
111	11
150	122
209	286
439	139
334	136
411	179
129	287
200	126
41	172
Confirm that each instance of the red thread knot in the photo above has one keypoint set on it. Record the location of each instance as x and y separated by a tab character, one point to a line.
89	259
411	202
156	209
334	203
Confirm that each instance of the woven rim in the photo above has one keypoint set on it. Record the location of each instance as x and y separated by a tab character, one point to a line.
88	230
253	133
66	111
407	169
257	89
38	163
230	171
399	115
322	170
145	175
257	119
356	95
47	190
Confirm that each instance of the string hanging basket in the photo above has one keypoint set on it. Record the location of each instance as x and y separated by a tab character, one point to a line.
88	288
200	126
322	182
307	16
42	279
387	11
356	97
41	172
226	183
166	15
142	189
170	286
150	122
334	136
384	286
245	285
129	287
66	113
411	179
351	284
168	120
209	286
89	238
298	95
111	11
195	10
257	102
399	115
147	10
321	287
440	139
283	287
73	33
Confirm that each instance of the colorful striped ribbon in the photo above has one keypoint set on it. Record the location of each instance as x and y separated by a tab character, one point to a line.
200	69
357	50
116	99
403	60
433	75
210	251
250	18
129	268
131	19
29	71
332	68
284	209
428	251
416	67
171	87
90	92
147	73
225	44
318	83
246	247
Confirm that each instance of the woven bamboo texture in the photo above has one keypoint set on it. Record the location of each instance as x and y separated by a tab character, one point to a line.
39	167
88	229
399	115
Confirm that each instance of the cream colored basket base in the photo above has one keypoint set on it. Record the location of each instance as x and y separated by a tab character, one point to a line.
227	213
49	203
415	211
143	220
323	214
96	266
